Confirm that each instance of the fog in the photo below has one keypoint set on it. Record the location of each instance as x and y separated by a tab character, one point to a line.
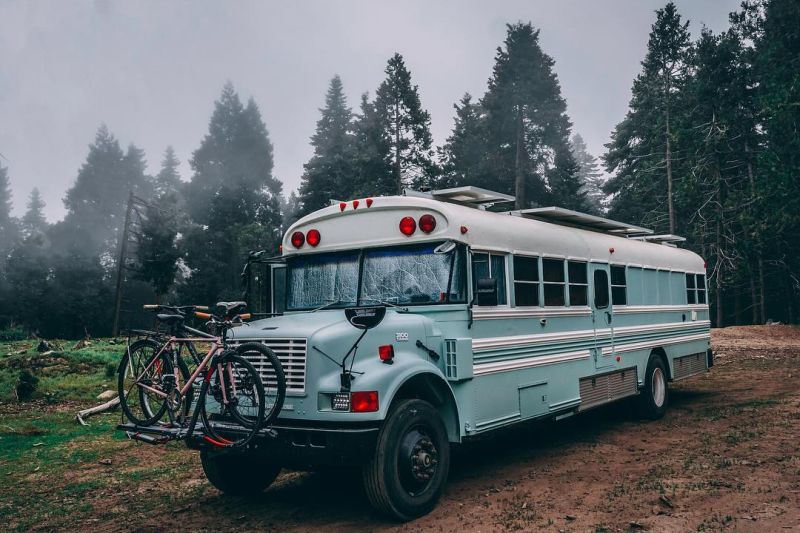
151	70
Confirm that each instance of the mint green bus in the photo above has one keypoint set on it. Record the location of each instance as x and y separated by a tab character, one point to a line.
407	324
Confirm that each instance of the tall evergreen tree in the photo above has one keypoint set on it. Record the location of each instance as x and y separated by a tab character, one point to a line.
589	175
463	153
8	224
33	221
372	154
527	126
168	180
96	202
157	250
406	126
776	64
642	154
235	154
330	171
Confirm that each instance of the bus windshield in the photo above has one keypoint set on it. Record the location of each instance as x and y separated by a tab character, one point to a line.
430	273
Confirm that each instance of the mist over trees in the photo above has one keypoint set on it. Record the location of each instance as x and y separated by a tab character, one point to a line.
709	149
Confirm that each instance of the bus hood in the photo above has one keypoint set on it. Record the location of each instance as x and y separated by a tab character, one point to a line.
303	325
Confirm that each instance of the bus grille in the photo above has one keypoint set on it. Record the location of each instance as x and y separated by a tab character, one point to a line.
292	354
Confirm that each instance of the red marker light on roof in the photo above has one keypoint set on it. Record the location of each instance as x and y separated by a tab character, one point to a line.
464	229
355	204
313	237
342	205
427	223
611	250
298	239
369	202
408	226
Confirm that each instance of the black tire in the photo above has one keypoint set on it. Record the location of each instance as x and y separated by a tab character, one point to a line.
272	377
413	435
135	402
654	397
239	474
249	404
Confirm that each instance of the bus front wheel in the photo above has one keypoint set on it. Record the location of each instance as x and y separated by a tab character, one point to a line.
408	470
239	474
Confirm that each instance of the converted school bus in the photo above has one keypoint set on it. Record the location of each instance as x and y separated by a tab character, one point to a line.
478	320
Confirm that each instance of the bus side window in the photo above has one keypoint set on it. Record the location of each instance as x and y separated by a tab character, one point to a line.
691	290
554	282
492	266
600	289
619	292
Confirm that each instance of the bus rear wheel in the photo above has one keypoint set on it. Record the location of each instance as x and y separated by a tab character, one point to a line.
654	396
239	474
407	473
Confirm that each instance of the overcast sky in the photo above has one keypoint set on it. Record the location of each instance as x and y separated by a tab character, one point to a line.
151	70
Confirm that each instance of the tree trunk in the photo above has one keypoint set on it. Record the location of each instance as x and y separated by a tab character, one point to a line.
519	174
670	207
397	174
761	303
753	297
718	245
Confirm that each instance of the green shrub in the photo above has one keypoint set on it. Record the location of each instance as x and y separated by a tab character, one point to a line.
26	385
111	369
12	334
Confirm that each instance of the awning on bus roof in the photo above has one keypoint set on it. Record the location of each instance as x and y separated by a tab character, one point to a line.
559	215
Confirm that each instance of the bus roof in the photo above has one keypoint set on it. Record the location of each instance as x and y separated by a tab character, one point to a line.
372	222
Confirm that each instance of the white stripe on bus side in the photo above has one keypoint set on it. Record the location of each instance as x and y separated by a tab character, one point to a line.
492	343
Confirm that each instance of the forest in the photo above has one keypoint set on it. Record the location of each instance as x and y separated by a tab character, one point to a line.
709	149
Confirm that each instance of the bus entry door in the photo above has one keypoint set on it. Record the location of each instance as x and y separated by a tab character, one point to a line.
602	316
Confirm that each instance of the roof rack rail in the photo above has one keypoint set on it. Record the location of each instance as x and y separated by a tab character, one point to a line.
567	217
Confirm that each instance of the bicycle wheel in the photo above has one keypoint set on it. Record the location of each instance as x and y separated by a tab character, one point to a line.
235	394
272	377
140	379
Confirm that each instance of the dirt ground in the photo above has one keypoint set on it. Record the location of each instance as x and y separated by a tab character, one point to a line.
726	456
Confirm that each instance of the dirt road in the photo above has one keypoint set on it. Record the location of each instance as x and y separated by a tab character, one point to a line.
726	456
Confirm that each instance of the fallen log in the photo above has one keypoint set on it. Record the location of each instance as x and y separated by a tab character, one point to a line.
86	413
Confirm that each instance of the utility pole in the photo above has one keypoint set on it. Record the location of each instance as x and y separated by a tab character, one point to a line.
123	249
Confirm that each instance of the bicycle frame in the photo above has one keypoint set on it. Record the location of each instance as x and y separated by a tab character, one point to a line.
216	347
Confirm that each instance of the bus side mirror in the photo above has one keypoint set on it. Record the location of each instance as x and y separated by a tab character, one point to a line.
486	293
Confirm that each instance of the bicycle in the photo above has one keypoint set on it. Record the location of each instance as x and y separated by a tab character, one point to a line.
233	403
144	349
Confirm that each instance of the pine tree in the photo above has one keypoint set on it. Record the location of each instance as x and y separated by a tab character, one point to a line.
589	175
156	250
527	126
642	154
406	126
463	153
777	49
168	180
9	227
236	154
96	202
372	154
329	173
33	221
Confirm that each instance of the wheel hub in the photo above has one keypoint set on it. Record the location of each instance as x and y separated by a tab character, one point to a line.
423	458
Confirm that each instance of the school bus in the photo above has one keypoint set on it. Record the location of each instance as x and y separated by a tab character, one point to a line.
406	324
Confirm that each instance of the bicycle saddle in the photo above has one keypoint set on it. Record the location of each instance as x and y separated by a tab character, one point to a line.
232	308
169	319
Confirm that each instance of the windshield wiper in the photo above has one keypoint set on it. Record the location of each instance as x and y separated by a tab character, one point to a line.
321	307
388	304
